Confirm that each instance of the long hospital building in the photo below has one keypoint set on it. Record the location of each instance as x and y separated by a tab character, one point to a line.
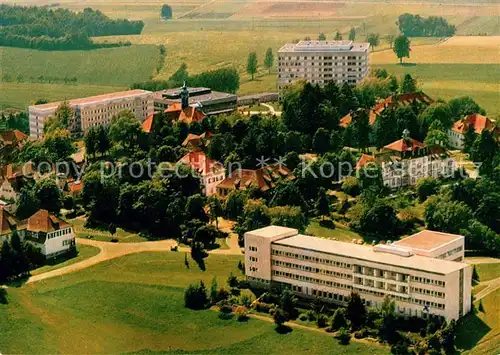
424	273
320	62
93	111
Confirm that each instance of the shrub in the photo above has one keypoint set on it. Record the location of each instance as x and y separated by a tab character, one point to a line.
303	317
263	307
3	296
343	336
245	300
195	296
241	313
327	223
322	321
351	186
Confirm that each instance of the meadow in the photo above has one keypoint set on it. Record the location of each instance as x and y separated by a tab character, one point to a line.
212	34
135	304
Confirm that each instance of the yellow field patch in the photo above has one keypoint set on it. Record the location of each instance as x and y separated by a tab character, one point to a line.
459	50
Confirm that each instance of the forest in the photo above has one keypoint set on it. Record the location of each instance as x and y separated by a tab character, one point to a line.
60	29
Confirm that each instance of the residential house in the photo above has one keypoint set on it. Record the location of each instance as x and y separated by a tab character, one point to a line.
13	178
263	179
211	172
477	122
8	224
195	142
52	235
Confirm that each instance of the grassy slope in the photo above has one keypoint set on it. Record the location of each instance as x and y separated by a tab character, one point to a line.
84	252
136	303
488	271
340	233
103	235
480	332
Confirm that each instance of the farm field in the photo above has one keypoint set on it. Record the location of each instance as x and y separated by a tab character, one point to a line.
135	304
213	34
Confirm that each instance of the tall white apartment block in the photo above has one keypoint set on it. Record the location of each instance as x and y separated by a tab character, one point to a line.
93	111
320	62
416	272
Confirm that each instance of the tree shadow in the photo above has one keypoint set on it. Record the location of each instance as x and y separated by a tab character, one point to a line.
408	64
283	329
3	296
470	331
226	316
201	264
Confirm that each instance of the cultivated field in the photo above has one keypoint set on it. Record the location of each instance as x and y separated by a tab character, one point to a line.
135	304
209	34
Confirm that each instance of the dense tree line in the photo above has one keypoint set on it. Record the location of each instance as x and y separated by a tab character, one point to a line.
17	258
433	26
19	121
60	29
223	79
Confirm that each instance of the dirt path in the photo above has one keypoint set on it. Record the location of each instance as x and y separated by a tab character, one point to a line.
491	286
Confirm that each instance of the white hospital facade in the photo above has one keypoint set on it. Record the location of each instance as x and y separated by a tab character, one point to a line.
423	274
320	62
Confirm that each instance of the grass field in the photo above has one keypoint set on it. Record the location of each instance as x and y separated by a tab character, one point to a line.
480	332
488	271
340	233
123	236
84	252
135	304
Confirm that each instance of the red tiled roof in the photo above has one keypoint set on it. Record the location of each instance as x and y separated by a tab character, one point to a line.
479	122
365	159
8	222
75	186
197	140
43	221
405	145
147	125
264	178
189	114
12	136
201	163
390	102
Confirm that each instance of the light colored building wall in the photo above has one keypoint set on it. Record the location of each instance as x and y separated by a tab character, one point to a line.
317	274
7	190
456	139
57	242
320	62
95	111
408	171
210	182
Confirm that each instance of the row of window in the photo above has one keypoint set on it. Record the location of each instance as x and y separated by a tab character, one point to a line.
215	179
424	280
252	248
68	242
425	291
253	258
311	269
59	233
253	269
311	258
310	279
321	58
450	252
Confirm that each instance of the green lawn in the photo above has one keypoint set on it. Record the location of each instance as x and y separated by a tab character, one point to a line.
488	271
135	304
122	235
479	333
84	252
21	95
100	66
341	233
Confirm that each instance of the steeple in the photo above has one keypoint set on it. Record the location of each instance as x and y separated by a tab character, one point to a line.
184	96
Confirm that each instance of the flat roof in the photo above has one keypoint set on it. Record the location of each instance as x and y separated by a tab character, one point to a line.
203	95
325	46
366	253
273	231
427	240
93	99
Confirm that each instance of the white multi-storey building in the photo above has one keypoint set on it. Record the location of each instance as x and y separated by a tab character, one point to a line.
415	272
405	161
320	62
93	111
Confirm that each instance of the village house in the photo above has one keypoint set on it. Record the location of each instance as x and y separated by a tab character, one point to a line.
8	224
211	172
475	121
405	161
52	235
13	178
263	179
